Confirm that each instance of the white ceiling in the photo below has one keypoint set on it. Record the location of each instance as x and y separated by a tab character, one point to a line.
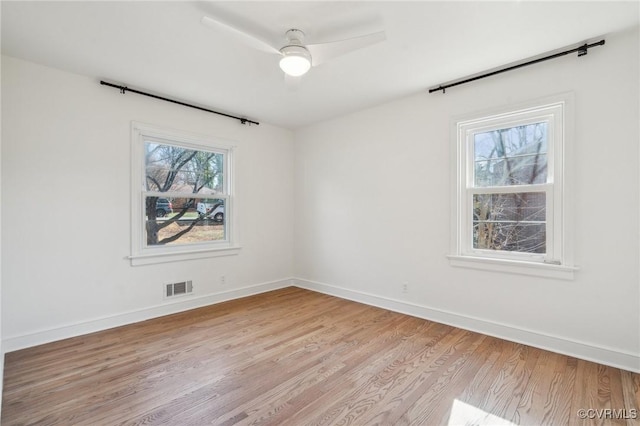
162	47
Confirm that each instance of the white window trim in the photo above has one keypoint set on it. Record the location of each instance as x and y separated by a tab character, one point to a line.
558	263
142	255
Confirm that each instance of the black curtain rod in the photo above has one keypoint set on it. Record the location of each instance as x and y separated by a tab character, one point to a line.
124	89
582	50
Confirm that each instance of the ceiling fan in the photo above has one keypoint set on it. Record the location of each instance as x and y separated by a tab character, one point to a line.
296	56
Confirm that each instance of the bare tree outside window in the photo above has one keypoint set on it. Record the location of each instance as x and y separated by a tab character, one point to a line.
508	220
192	178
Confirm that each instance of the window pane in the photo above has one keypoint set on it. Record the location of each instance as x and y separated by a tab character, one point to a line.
196	220
178	169
511	156
510	222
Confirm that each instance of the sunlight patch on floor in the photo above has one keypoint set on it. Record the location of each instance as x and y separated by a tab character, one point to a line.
463	414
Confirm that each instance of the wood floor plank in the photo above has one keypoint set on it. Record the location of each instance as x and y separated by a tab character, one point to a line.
295	357
437	410
363	364
631	395
420	404
407	373
535	401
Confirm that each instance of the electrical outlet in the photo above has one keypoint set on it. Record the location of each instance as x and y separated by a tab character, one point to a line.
405	287
223	280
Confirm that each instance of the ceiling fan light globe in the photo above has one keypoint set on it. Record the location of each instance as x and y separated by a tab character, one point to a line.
295	61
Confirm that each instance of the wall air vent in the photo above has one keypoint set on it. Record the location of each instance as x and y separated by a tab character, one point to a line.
178	289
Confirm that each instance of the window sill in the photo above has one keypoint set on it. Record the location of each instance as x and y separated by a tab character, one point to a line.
177	256
534	269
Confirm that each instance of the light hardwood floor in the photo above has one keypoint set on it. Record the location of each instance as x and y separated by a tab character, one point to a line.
295	357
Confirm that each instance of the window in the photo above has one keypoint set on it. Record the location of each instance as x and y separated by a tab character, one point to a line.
510	186
182	199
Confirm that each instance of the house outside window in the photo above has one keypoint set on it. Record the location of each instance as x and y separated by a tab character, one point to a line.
182	196
510	187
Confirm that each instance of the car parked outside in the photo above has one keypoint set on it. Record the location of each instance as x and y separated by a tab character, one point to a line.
211	210
163	207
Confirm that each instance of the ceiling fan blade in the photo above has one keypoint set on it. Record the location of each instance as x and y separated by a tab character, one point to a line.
322	52
292	83
244	37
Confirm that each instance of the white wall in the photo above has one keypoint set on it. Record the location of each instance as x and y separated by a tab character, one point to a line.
373	210
66	208
1	346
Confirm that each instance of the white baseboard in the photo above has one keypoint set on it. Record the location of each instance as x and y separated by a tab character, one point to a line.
184	303
587	351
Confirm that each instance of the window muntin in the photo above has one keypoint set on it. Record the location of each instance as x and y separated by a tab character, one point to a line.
510	185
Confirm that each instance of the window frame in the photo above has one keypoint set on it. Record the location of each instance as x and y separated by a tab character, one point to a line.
141	254
557	262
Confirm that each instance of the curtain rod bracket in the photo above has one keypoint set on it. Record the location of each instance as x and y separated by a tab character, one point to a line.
583	50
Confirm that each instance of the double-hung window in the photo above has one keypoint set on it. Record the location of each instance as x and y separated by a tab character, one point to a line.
182	196
511	200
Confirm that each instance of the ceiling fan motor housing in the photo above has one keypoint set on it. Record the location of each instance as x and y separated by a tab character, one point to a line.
296	59
295	36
